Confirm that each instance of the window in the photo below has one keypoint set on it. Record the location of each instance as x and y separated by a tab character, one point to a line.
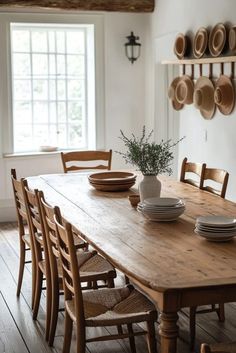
53	86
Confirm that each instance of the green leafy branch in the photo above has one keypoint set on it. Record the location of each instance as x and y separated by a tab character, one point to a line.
149	157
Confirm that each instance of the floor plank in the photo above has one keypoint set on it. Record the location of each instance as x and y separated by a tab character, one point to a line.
28	335
11	340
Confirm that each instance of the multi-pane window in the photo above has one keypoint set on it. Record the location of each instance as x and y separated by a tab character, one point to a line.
52	85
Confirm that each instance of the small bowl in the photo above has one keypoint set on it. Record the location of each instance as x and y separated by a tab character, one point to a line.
48	148
134	199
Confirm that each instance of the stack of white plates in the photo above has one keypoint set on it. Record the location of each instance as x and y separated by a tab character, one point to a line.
216	228
161	209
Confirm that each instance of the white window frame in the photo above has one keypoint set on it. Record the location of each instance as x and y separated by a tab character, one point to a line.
6	120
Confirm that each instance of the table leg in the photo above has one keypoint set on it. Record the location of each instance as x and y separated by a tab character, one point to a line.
168	332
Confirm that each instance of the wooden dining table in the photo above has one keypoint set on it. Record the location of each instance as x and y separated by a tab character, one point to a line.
171	264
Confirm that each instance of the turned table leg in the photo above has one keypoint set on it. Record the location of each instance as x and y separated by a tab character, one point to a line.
168	332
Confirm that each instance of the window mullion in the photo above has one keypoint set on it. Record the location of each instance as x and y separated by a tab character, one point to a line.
66	91
56	86
85	123
48	86
31	85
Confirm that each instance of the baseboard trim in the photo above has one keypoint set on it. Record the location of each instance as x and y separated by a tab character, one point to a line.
7	211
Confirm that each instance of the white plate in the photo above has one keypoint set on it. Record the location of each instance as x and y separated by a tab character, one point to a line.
162	201
215	235
219	221
217	239
160	219
169	213
161	216
215	230
162	209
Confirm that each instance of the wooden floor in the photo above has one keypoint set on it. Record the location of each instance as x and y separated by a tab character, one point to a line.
20	334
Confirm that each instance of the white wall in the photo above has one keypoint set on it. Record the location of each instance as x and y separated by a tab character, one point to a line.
125	104
169	18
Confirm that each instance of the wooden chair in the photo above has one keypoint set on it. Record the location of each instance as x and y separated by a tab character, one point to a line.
94	268
79	157
105	307
218	308
24	236
42	264
219	348
195	168
219	176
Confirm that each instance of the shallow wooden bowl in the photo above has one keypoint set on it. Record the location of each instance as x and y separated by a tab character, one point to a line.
113	187
111	177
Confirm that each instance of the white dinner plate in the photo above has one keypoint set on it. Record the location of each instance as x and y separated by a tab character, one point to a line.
161	219
161	208
215	237
219	221
163	215
162	201
163	212
216	229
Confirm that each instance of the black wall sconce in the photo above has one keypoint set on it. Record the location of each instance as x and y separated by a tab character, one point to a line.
132	48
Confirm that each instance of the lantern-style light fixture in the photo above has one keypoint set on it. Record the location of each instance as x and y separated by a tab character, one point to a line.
132	48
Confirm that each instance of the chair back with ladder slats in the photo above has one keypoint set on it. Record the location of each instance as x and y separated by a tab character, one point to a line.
70	270
36	226
25	240
195	168
85	156
219	176
48	212
19	201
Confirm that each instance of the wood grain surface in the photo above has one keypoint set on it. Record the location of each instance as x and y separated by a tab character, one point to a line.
173	265
98	5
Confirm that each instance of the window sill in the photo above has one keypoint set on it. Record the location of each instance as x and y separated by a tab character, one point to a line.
29	154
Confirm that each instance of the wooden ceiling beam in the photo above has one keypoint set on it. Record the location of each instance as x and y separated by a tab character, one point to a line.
85	5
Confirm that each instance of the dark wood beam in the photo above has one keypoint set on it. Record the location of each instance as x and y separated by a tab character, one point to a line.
85	5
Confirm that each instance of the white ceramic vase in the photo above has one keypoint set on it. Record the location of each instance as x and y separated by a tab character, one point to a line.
150	186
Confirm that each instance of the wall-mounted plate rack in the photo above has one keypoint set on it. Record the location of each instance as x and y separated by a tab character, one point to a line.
192	61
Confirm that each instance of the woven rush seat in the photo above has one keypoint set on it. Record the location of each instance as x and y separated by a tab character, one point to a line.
219	348
91	266
99	307
115	306
94	265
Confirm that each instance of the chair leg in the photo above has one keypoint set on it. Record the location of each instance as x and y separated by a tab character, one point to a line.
192	326
221	313
54	313
34	275
127	281
151	337
110	283
120	330
67	333
48	308
21	267
38	291
131	338
80	339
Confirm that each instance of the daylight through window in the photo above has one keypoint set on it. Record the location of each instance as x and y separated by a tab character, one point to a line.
52	85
